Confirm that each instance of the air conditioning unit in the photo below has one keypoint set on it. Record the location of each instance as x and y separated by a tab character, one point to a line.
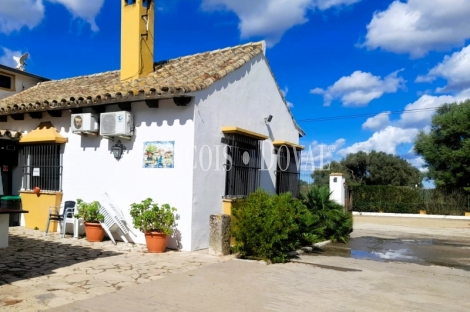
85	122
118	124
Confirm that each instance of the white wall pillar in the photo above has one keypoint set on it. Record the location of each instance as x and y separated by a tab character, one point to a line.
337	183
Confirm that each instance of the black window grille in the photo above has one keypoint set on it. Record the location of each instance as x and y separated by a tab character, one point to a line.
42	167
243	165
288	171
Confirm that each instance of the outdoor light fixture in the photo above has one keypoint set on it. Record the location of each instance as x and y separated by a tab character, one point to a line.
117	149
268	119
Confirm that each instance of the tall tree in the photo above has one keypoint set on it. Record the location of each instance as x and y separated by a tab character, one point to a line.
374	168
446	148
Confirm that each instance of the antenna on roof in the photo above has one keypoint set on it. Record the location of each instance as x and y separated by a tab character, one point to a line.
21	61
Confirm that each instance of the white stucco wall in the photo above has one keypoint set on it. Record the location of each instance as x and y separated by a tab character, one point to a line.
20	82
243	99
337	189
90	168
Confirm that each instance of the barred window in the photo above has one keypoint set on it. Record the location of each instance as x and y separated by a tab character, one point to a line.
243	165
288	170
42	167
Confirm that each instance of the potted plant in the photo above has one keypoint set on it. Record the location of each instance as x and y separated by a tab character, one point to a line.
156	222
89	212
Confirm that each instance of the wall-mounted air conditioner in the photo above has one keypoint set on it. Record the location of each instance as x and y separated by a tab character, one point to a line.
116	124
85	122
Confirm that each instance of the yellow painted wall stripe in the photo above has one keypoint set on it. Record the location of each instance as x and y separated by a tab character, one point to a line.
289	144
241	131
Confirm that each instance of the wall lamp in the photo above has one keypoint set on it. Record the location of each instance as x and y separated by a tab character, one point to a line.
118	149
268	119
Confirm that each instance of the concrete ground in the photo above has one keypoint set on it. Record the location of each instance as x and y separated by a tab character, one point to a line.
322	281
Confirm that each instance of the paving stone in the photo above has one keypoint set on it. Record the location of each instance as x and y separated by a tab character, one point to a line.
74	278
49	271
113	277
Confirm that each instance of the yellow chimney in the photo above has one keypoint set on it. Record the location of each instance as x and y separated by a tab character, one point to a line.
137	42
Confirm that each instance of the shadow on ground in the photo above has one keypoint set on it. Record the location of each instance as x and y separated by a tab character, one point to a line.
448	253
28	257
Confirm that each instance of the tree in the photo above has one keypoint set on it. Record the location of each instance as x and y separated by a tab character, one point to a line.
446	148
374	168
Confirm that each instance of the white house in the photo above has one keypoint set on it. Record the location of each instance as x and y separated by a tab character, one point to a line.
13	81
214	121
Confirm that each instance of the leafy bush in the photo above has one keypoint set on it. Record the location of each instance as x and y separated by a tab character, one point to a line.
147	216
394	199
89	212
268	226
327	215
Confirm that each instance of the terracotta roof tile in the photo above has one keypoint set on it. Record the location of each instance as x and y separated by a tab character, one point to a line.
175	77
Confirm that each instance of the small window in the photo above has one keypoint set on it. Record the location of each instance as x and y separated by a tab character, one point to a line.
288	171
7	81
42	167
243	166
129	2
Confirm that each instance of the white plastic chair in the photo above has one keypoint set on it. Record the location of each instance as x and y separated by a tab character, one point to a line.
114	220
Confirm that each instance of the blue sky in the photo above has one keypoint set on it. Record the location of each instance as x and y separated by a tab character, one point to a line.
331	57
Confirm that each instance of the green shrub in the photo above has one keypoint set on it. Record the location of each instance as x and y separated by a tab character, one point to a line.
395	199
267	227
147	216
89	212
328	215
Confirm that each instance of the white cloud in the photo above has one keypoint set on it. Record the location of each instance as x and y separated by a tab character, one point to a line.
327	4
16	14
421	111
417	114
284	94
86	10
415	160
455	69
7	57
360	88
419	26
270	19
316	155
378	122
385	140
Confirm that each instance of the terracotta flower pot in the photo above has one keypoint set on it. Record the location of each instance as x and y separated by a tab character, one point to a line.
156	242
94	232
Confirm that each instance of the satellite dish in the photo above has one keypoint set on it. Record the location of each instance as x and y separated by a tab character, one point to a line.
21	61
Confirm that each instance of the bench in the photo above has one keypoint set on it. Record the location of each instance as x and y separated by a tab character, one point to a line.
5	224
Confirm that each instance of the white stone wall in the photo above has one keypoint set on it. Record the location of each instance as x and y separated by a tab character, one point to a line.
243	99
90	168
337	189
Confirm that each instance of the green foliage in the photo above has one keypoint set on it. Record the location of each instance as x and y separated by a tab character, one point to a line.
446	148
375	198
392	199
147	216
374	168
328	215
89	212
267	227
